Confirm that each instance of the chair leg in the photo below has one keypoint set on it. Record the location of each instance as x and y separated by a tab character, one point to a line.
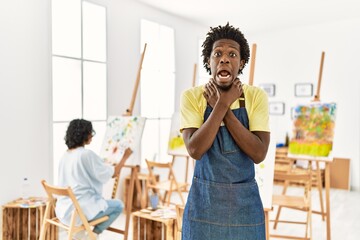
45	224
44	229
276	221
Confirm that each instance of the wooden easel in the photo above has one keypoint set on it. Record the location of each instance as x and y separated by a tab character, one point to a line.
251	83
324	213
134	179
252	64
318	173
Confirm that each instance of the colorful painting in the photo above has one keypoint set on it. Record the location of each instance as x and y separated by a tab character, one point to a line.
122	132
176	145
313	129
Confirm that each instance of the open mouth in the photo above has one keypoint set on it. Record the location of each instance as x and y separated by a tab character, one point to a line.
223	75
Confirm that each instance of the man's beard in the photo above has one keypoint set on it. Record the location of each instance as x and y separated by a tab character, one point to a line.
224	88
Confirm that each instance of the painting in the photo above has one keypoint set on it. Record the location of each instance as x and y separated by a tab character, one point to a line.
276	108
122	132
303	89
176	145
268	88
313	129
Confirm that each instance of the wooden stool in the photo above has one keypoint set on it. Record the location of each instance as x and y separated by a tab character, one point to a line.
153	228
22	219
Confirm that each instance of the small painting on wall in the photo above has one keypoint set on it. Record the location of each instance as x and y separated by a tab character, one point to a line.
268	88
276	108
303	89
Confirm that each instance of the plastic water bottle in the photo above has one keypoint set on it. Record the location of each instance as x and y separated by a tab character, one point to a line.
25	189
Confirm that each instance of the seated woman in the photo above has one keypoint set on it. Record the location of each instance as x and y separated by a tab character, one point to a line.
86	173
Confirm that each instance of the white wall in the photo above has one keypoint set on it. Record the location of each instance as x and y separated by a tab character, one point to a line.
290	56
25	95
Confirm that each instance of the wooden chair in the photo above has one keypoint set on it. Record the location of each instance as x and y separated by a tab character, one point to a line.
284	164
169	185
179	218
302	202
53	192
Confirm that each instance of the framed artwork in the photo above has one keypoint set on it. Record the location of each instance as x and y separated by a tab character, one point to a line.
303	89
268	88
276	108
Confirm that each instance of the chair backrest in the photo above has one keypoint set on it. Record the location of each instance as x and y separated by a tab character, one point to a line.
294	200
152	178
53	193
169	185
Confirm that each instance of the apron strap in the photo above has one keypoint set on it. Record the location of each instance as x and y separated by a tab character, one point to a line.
242	101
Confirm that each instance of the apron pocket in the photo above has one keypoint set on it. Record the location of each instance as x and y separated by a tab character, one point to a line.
225	204
227	143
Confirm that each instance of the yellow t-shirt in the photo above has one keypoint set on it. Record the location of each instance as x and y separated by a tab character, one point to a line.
193	105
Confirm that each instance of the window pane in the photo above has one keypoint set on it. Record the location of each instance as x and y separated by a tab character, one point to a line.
94	32
166	48
150	35
166	88
66	89
66	27
149	97
159	103
164	140
94	91
150	140
59	146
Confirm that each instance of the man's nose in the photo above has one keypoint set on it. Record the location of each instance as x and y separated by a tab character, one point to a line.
224	59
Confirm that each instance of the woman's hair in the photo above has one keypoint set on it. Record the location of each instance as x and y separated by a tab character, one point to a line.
224	32
78	132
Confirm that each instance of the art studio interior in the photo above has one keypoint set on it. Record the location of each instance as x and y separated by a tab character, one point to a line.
124	65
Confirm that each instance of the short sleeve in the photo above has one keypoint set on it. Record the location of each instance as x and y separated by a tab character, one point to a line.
190	112
259	114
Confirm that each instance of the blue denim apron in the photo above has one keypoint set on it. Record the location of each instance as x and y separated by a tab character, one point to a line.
224	201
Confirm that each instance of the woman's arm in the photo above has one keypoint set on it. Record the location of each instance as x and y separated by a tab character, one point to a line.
120	164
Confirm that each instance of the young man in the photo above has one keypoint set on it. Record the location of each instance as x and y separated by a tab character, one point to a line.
225	127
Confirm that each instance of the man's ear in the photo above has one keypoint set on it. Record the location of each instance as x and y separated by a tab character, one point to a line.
242	64
208	65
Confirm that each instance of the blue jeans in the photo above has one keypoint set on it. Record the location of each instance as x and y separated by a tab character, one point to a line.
114	209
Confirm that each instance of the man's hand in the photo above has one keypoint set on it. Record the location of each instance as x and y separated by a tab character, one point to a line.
213	94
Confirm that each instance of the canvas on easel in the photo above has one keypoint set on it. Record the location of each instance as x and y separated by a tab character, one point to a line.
313	129
122	132
176	144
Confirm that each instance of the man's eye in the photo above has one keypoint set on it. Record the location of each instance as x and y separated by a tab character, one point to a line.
217	54
232	54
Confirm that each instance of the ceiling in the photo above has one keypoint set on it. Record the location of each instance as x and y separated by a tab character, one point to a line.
259	15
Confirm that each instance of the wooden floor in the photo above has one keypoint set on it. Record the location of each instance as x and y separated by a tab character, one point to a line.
345	218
